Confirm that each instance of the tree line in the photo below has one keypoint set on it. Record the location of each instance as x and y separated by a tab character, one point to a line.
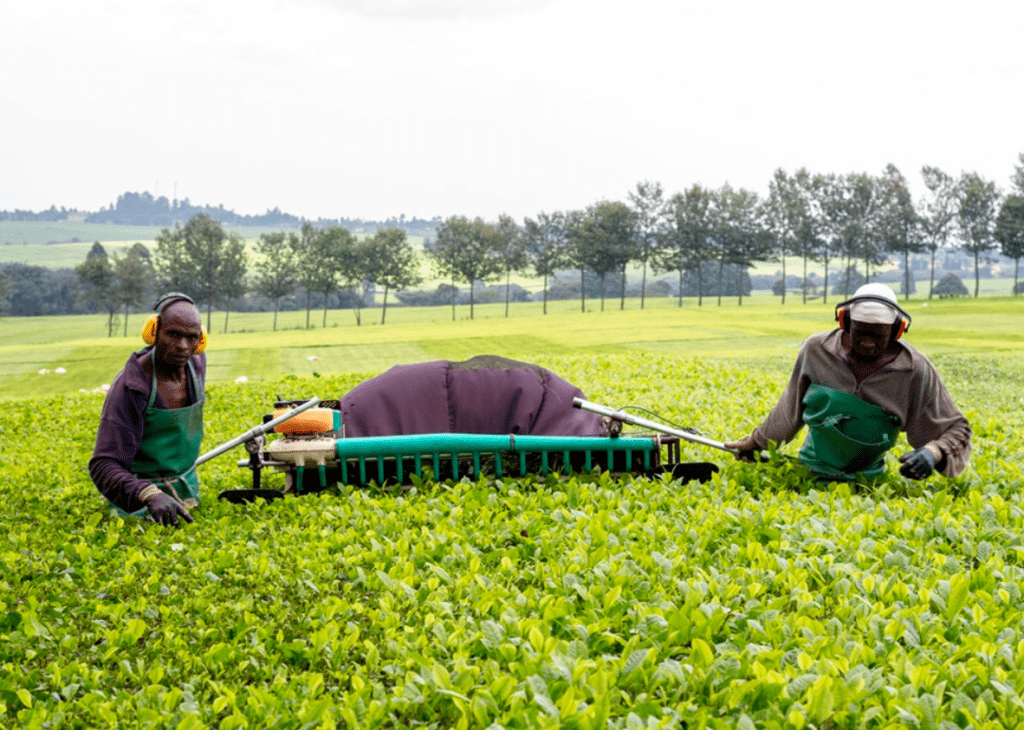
145	209
710	235
708	238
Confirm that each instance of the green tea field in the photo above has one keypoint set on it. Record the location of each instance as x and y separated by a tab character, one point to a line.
759	599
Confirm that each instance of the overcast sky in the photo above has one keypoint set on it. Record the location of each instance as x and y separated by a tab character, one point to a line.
373	108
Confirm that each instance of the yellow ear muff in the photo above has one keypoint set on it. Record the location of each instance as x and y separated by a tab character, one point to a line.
149	333
149	329
202	343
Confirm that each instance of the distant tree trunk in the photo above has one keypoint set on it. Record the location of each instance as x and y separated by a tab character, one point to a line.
453	295
384	307
622	301
545	292
277	306
471	294
739	284
602	292
643	284
824	292
327	293
721	266
583	291
309	305
680	287
977	274
783	277
906	274
227	311
931	273
126	319
1016	269
805	279
508	286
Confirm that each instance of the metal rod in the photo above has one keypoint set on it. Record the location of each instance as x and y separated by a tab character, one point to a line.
637	421
254	432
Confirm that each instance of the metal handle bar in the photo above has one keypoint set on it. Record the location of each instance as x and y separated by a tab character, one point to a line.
637	421
254	432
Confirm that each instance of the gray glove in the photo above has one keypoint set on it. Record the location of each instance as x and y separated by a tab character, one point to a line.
746	448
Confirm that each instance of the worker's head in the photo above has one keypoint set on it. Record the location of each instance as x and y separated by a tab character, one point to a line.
175	330
872	319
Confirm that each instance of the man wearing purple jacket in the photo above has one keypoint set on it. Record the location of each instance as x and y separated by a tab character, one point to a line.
152	422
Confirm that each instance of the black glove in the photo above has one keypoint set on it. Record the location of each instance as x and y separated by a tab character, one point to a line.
918	464
166	510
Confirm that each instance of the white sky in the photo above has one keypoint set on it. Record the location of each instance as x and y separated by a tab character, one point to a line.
373	108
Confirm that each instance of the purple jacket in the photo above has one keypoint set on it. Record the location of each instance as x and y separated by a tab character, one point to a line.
120	430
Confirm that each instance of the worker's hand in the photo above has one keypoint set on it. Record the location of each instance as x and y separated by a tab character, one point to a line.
919	463
746	448
166	510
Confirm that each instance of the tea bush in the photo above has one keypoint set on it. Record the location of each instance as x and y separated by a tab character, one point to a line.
758	599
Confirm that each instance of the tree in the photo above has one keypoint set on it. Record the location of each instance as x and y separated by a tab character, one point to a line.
850	205
743	239
232	274
391	262
900	223
190	259
546	248
444	259
333	248
1010	232
511	244
649	206
97	276
937	212
134	274
793	212
276	276
309	264
604	239
782	217
690	219
353	261
976	215
576	250
468	249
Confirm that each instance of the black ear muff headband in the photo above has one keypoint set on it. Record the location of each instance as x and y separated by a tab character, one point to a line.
900	326
152	323
170	298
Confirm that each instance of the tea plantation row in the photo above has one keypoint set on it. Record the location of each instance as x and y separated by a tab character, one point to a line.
758	599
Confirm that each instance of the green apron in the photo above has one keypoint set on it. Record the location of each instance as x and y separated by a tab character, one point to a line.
170	446
847	437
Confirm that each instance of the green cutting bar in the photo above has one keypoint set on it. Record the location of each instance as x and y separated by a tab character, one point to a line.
472	445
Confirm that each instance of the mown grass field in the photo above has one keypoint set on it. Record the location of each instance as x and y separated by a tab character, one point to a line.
758	599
